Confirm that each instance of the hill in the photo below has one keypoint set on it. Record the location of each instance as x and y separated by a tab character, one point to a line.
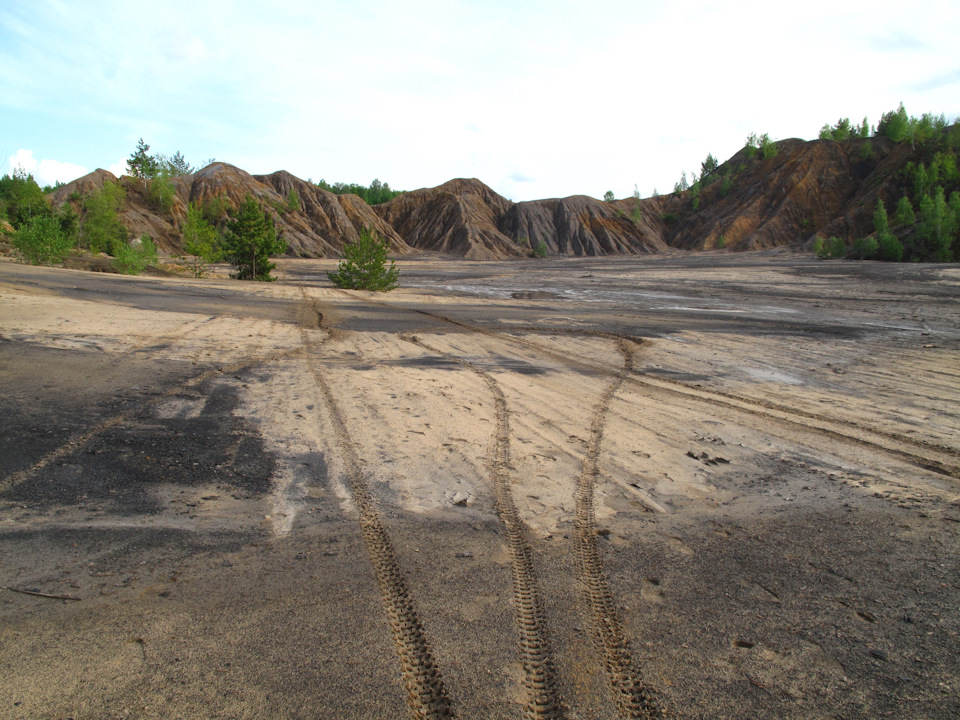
798	192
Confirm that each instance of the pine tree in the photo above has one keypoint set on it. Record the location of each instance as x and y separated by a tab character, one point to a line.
364	265
904	214
249	240
141	164
178	165
880	223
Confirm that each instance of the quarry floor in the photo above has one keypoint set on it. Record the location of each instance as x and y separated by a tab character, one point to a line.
691	486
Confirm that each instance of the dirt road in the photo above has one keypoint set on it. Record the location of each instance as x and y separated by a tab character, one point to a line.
688	486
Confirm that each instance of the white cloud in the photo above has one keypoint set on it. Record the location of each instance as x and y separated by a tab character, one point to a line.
46	171
118	168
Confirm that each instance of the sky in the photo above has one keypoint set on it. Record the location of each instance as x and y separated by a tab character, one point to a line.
536	98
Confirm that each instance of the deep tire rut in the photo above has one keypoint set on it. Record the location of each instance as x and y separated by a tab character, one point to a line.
540	682
633	698
427	696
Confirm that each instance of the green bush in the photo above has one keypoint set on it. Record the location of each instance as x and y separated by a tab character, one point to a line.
541	250
821	249
725	186
838	248
133	258
215	209
768	148
865	248
364	265
42	241
890	248
162	194
200	240
100	228
22	198
293	200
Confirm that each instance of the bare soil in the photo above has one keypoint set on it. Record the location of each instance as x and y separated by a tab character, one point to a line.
710	486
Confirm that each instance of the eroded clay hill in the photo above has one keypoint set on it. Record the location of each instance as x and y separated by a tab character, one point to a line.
807	189
317	225
821	187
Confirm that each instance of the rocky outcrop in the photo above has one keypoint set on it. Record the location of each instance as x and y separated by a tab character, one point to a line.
581	225
316	225
807	189
323	220
458	218
83	185
468	219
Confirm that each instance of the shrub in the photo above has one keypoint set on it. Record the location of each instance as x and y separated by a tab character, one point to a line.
200	240
725	187
820	249
42	241
838	248
162	194
721	242
364	265
768	148
100	228
636	214
22	198
541	250
608	196
133	258
293	200
890	248
215	209
865	248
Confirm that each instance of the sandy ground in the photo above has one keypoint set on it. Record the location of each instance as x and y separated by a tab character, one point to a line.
704	486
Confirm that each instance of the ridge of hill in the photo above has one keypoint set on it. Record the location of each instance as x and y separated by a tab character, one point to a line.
805	190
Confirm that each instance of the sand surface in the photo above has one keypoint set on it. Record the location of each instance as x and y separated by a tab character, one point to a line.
689	486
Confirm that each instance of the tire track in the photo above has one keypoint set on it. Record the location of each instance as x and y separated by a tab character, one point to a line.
892	443
427	697
78	441
540	683
632	697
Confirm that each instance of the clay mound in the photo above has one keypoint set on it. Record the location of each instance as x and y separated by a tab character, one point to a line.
319	227
324	221
82	185
808	188
581	225
136	213
459	218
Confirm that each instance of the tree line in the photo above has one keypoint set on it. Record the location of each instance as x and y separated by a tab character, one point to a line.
374	194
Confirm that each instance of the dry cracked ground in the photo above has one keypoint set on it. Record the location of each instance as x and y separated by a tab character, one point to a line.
692	486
